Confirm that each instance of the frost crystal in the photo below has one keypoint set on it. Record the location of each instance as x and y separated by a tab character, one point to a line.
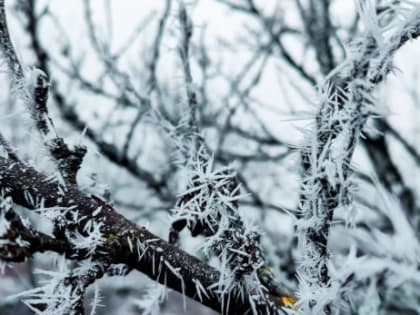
5	206
150	303
209	207
54	294
90	239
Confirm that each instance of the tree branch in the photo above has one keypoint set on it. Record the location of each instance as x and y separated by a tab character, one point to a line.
124	242
345	105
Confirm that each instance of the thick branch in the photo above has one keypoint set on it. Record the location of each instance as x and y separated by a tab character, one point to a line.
125	242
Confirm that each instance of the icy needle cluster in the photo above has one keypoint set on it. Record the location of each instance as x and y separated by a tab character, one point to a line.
209	207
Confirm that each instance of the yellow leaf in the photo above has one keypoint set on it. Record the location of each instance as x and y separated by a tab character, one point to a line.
289	301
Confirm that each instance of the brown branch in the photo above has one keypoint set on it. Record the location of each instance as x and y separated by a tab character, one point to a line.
154	256
68	160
